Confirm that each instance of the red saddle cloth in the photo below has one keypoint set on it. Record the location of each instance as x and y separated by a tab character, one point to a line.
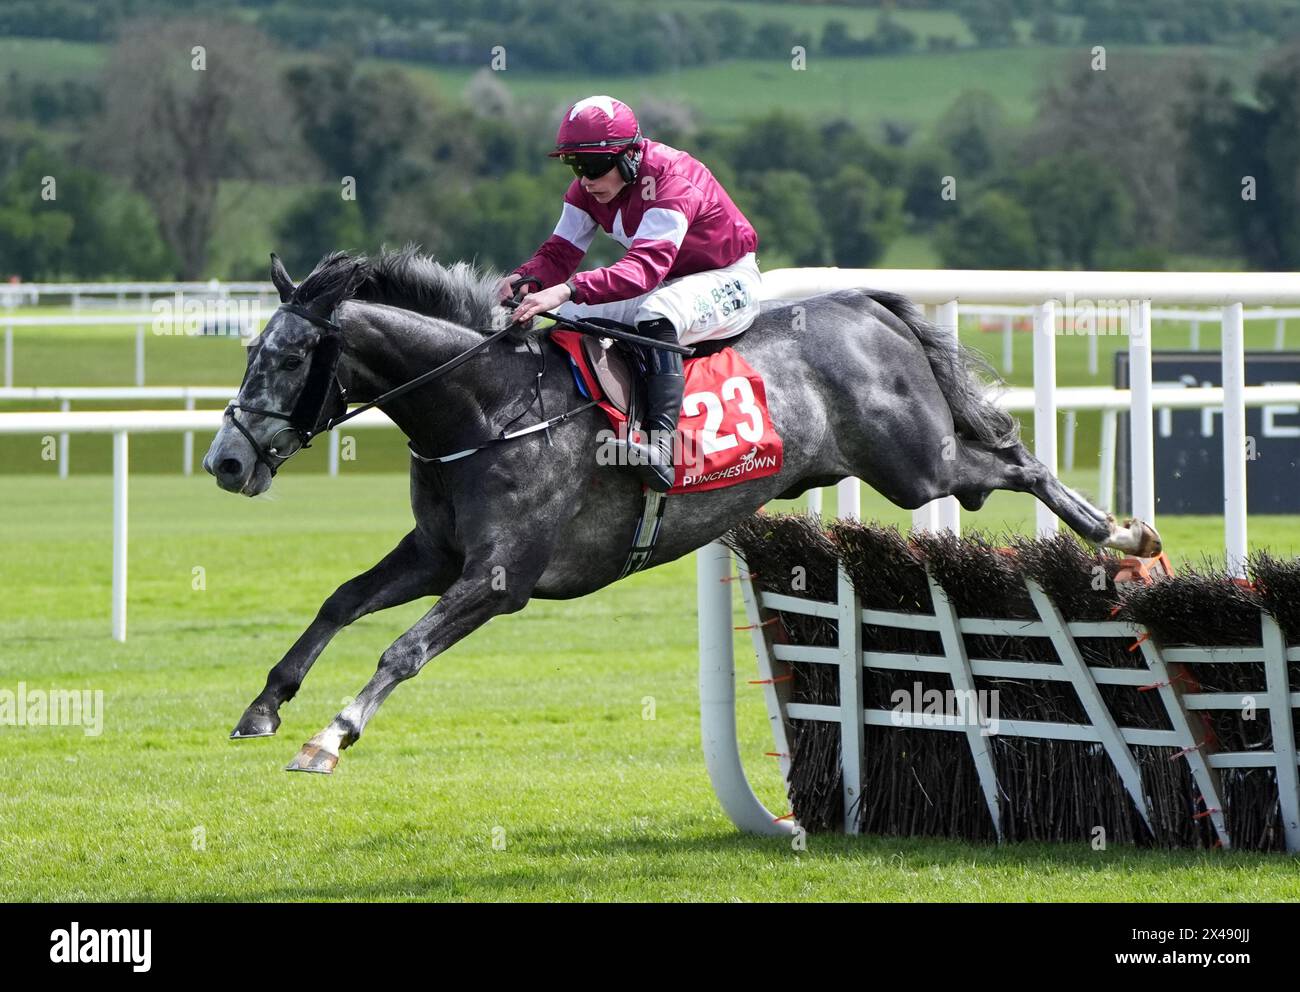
727	434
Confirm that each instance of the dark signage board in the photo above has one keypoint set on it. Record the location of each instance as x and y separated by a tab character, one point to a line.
1189	443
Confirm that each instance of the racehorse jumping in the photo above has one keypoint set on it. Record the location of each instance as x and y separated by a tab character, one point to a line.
863	388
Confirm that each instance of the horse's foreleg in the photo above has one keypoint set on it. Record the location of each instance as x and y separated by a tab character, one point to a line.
481	593
409	571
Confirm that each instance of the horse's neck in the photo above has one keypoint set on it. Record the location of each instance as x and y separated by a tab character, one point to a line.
387	347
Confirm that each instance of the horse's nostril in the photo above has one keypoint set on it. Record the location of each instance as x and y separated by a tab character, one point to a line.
231	467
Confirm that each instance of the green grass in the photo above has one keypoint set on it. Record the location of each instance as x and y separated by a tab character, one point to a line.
910	251
51	59
812	18
532	728
104	354
916	88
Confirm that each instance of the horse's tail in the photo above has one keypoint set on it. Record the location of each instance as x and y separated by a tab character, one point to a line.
957	370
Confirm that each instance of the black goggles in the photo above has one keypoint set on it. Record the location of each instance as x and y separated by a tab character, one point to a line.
589	166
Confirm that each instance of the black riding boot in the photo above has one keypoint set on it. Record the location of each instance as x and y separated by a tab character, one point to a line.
653	461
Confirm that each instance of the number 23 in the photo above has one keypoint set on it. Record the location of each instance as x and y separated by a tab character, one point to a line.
737	387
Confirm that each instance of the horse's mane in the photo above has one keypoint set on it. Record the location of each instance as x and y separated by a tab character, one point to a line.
405	278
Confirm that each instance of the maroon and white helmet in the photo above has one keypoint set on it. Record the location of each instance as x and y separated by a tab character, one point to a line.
599	125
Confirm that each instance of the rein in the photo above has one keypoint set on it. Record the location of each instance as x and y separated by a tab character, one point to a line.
421	379
322	405
323	379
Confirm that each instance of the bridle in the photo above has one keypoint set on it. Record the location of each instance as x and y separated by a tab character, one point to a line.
322	405
319	406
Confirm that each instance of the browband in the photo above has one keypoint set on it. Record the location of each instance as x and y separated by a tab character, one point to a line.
312	317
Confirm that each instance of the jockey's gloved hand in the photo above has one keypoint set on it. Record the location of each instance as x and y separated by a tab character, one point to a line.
516	287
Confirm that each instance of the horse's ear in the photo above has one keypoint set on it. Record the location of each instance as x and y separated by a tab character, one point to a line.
280	277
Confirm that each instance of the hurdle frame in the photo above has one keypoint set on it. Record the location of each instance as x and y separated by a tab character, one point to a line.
774	662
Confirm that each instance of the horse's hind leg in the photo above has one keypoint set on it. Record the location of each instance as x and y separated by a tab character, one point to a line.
409	571
980	469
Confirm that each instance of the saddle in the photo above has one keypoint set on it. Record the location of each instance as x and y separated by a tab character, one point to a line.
615	371
611	364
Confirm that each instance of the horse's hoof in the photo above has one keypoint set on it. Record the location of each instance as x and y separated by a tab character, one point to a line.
313	758
1133	537
254	724
1148	540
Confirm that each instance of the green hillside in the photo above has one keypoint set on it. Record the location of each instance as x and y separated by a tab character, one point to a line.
916	88
48	59
860	20
913	88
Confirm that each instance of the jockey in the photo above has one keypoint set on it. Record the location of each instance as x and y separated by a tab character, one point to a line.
689	273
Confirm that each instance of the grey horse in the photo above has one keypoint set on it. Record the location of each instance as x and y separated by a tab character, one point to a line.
858	385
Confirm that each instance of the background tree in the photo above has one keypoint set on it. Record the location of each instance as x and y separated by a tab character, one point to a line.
922	186
1231	141
994	232
892	36
496	222
316	223
175	132
669	121
778	140
1270	220
783	208
1047	29
973	132
1080	211
1127	121
990	21
377	128
89	229
861	216
34	233
1114	20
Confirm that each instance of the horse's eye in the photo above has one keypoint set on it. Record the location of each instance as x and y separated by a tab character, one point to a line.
292	362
